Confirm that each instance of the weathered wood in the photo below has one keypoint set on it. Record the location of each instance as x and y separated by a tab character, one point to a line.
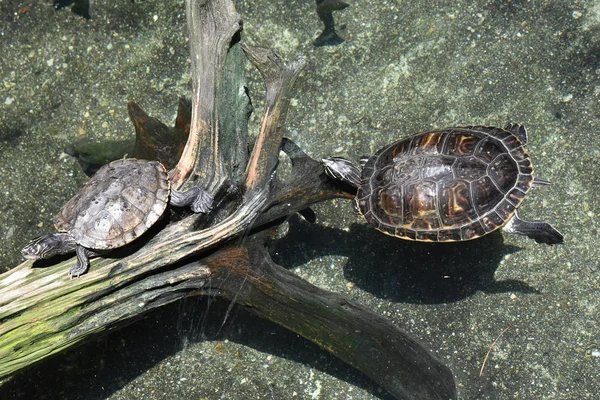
44	321
43	312
279	77
213	24
234	112
157	141
367	341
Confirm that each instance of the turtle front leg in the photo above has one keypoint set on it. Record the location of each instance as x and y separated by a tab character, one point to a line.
199	200
540	231
83	262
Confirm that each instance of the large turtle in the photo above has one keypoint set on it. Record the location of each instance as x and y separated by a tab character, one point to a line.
447	185
118	204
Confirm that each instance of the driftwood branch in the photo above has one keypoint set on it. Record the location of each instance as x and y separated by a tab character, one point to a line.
279	77
43	312
212	25
363	339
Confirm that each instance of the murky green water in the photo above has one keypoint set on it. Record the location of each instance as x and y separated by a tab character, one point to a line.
404	67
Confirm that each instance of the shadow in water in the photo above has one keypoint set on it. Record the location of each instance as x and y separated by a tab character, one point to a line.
401	270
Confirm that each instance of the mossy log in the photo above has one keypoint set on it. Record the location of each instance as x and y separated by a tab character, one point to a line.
43	312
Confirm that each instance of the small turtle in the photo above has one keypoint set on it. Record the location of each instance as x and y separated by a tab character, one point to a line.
448	185
118	204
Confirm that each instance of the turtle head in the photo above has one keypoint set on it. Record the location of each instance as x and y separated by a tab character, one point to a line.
48	245
340	169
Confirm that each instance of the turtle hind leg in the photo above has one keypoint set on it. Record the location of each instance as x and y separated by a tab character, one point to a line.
540	231
83	262
519	131
199	200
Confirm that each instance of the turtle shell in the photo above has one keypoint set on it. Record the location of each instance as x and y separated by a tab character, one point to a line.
118	204
447	185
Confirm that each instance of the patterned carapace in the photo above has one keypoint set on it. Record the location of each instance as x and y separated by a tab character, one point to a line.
447	185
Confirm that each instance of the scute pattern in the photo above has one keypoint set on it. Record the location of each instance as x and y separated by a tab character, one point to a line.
118	204
447	185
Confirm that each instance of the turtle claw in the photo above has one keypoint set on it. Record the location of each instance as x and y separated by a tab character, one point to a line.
82	265
76	271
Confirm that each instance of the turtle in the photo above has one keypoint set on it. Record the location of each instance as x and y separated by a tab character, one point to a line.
118	204
447	185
